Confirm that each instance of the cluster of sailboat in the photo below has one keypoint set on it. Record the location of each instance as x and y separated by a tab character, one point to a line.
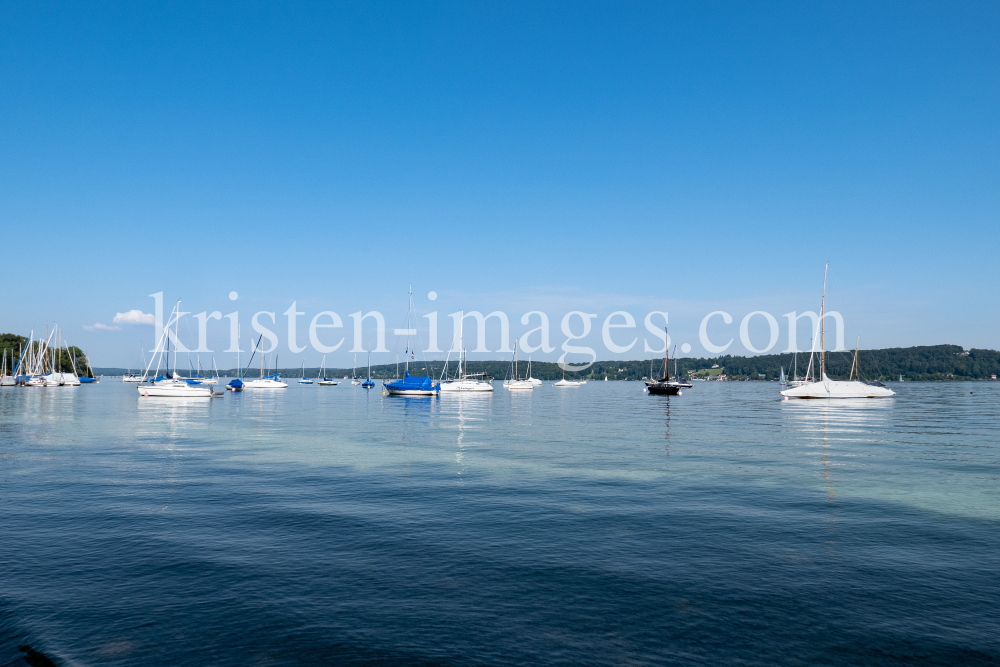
45	362
462	381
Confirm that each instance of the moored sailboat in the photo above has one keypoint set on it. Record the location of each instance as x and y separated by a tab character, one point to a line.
463	380
665	386
409	385
368	383
324	380
304	379
513	381
172	385
827	388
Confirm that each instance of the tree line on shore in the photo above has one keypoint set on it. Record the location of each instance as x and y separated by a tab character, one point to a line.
928	362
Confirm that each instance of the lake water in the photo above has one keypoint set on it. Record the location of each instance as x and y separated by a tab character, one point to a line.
594	525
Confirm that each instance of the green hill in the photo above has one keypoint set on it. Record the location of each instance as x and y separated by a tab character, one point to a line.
928	362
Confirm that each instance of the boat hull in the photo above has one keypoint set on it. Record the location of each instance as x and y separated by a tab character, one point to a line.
410	392
412	385
838	389
464	386
663	388
175	391
517	385
264	384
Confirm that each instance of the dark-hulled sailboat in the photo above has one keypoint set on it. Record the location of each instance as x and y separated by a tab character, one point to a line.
665	386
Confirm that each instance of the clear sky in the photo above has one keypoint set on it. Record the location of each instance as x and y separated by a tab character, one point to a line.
686	157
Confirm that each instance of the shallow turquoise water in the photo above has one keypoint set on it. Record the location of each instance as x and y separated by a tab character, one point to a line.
590	525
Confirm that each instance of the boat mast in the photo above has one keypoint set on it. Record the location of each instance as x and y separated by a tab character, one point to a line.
409	306
666	355
854	365
822	330
176	331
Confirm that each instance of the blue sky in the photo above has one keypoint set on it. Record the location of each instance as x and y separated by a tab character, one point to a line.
595	157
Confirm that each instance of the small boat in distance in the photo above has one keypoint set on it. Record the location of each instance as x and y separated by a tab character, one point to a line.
131	377
304	379
236	384
324	380
686	384
368	383
535	381
354	372
564	382
665	386
512	381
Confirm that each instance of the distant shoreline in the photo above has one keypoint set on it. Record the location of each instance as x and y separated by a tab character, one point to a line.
922	363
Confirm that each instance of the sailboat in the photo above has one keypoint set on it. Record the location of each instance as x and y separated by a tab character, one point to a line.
354	370
236	384
535	381
564	382
171	385
827	388
463	380
131	377
368	383
410	385
513	381
686	384
272	381
324	380
89	377
5	379
665	386
304	379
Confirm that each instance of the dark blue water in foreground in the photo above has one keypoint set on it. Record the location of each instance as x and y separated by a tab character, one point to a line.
586	526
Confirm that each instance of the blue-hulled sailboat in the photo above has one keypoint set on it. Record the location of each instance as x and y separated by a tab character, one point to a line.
368	384
410	385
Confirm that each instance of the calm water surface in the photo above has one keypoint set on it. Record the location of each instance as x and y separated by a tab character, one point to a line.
588	526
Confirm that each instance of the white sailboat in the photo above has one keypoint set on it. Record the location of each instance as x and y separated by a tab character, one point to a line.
7	380
304	379
354	372
513	381
131	377
324	380
463	380
564	382
172	385
535	381
827	388
272	381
